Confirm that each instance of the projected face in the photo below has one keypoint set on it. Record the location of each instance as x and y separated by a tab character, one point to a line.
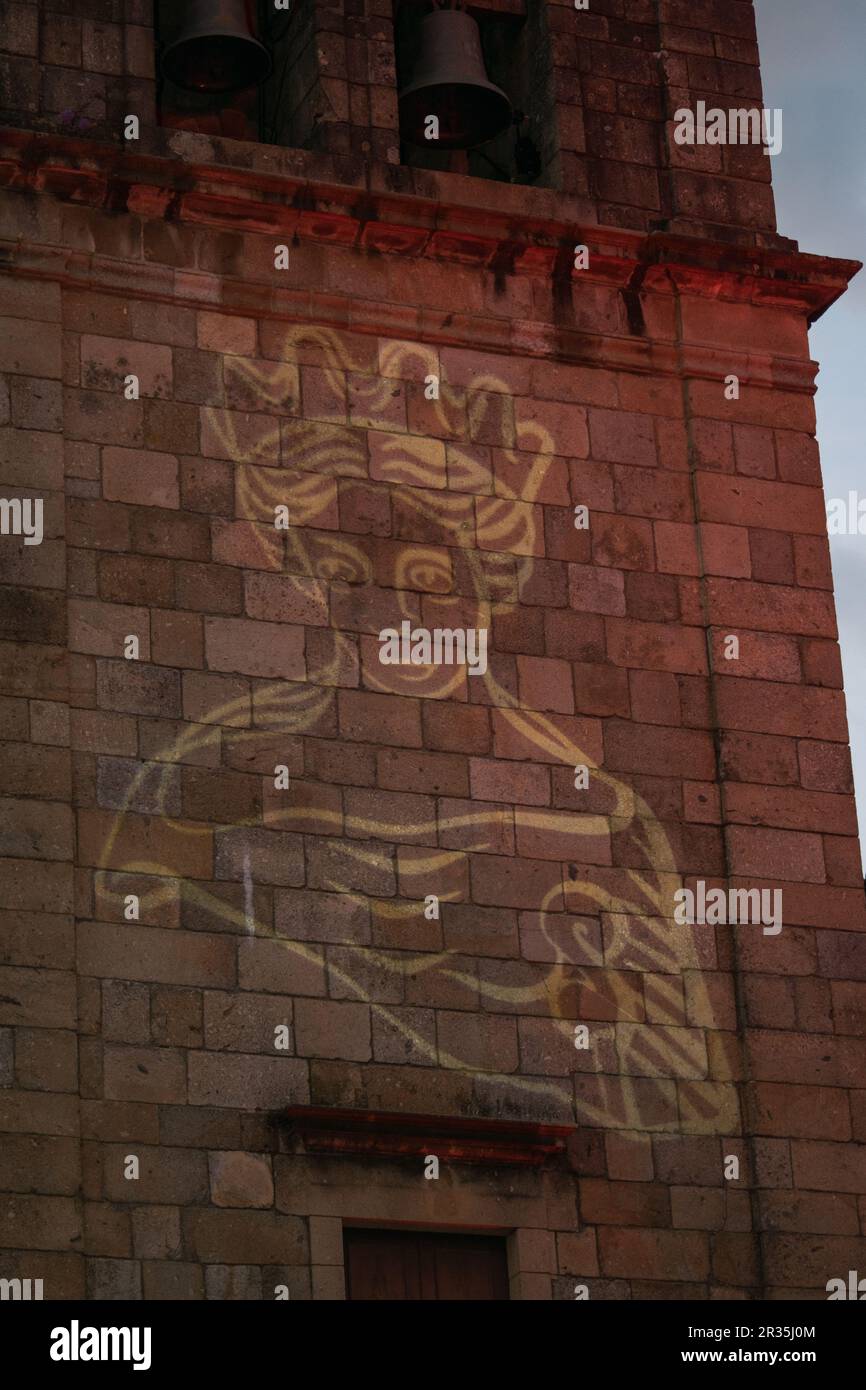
445	540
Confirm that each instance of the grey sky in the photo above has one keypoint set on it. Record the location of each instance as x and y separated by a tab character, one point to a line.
812	60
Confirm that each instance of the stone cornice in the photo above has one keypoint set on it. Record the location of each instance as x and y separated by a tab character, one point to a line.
389	1134
396	223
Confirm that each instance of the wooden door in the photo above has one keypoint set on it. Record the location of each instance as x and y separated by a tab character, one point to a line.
397	1265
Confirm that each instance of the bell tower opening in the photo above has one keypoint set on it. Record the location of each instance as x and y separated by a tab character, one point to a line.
474	88
214	57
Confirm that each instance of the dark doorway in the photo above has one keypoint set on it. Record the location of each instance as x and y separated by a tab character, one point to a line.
424	1265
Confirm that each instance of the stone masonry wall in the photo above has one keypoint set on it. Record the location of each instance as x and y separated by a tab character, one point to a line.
169	905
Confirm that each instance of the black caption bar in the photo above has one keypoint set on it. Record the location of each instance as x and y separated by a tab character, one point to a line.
243	1339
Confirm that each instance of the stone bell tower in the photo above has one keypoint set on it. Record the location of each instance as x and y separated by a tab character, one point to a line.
422	714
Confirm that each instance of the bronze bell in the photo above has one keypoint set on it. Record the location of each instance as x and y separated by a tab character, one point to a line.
451	83
216	49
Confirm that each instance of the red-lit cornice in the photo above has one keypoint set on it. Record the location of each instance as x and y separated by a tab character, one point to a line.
386	1134
444	219
406	224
